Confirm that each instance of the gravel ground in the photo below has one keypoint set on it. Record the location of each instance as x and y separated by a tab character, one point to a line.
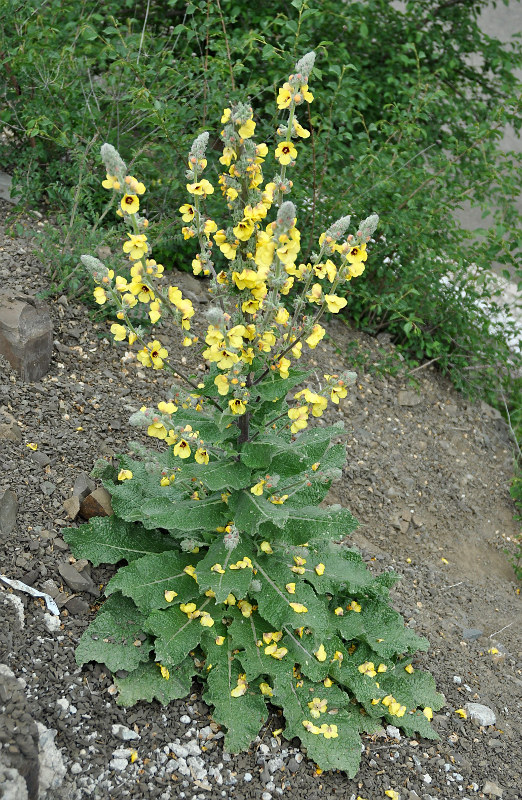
428	478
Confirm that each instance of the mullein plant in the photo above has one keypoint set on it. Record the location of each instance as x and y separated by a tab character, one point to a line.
235	573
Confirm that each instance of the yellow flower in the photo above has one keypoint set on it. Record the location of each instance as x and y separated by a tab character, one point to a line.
188	609
310	727
246	130
99	295
164	672
266	547
245	607
201	456
335	303
319	569
130	203
306	93
315	337
284	97
134	185
329	731
244	229
290	588
328	682
111	182
230	600
220	640
154	312
357	254
237	406
226	115
187	212
266	690
202	187
354	606
124	475
221	381
228	154
300	131
32	446
409	668
461	713
339	611
136	247
317	707
241	687
119	332
157	354
299	608
392	793
170	595
282	316
285	153
206	620
299	417
368	668
320	654
428	713
258	491
182	449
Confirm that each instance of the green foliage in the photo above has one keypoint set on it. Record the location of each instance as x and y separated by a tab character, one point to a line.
269	608
413	128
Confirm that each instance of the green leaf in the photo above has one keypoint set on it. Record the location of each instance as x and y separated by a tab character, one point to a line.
344	570
161	512
243	716
147	579
112	637
273	386
251	511
218	475
244	634
383	630
107	540
147	683
235	581
175	633
309	523
275	601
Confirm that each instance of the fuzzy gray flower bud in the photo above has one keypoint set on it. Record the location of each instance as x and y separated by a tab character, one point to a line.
339	228
305	65
368	226
286	215
113	162
199	146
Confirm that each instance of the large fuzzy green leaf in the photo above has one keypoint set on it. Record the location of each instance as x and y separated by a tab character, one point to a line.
217	475
245	633
382	629
273	386
147	683
172	514
147	579
235	581
176	635
107	540
251	511
242	716
116	637
275	601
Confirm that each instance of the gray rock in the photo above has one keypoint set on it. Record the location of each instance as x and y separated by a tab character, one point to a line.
8	511
118	764
83	485
12	783
77	581
494	789
124	733
75	605
9	430
408	398
293	765
26	338
52	768
482	714
71	507
471	634
39	458
5	187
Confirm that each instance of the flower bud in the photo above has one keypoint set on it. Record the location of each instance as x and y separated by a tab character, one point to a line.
286	215
199	146
339	228
112	161
368	226
304	66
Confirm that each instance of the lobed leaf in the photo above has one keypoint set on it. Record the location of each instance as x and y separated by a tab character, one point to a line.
176	634
107	540
235	581
147	683
115	637
147	579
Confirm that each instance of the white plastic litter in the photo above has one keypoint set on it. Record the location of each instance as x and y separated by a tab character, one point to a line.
22	587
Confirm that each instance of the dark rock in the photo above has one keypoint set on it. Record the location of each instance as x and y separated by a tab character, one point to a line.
26	336
77	581
72	507
83	486
471	634
409	398
8	511
40	458
97	504
75	605
9	430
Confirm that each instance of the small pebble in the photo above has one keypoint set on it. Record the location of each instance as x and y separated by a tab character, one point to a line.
247	777
185	719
